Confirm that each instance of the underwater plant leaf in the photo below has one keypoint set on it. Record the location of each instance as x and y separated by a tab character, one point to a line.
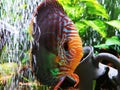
81	27
110	41
72	8
114	23
113	41
97	25
102	46
95	8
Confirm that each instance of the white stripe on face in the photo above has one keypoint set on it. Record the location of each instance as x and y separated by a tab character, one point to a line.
34	20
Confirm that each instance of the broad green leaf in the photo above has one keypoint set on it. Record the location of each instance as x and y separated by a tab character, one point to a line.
64	2
73	9
102	46
97	25
114	23
74	12
81	27
95	8
113	41
68	2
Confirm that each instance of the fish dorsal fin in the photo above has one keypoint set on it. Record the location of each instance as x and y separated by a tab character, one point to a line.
49	4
